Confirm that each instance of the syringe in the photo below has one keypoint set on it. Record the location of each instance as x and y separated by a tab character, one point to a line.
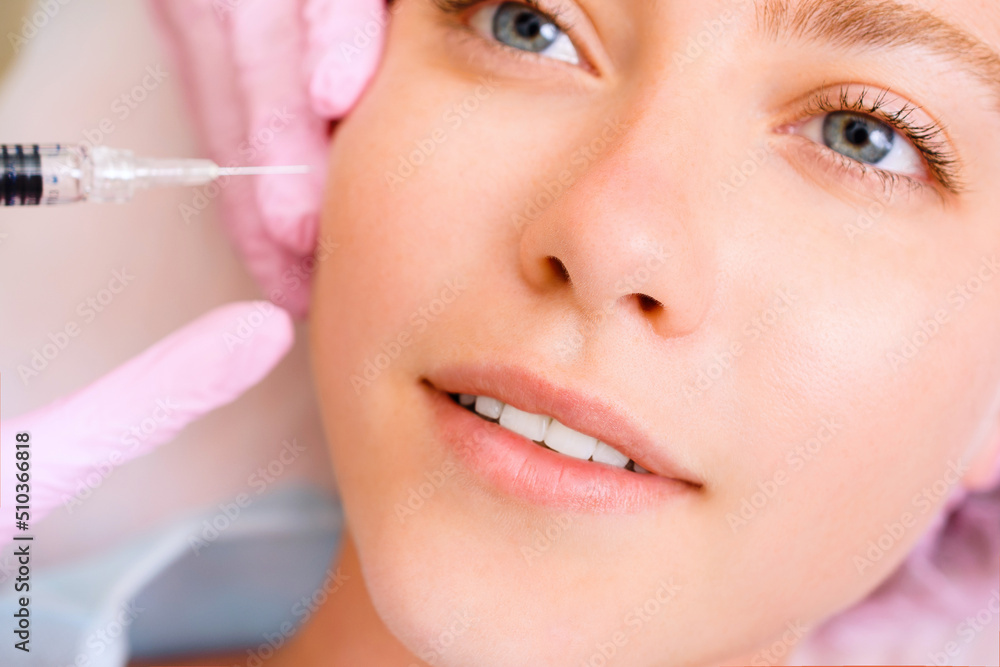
45	174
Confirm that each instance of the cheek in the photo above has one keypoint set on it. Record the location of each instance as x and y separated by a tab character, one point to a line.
863	407
425	185
835	434
410	234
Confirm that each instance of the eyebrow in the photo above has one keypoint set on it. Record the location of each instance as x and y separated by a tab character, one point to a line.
878	24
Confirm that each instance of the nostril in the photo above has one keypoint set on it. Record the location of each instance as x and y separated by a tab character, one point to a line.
559	268
648	303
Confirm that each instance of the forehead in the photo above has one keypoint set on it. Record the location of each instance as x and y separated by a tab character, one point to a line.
980	17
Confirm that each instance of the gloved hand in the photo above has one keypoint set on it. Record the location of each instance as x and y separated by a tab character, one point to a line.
76	441
264	79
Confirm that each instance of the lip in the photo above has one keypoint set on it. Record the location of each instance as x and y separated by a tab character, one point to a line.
517	466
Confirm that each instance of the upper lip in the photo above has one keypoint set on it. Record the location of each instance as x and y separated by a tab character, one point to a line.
580	411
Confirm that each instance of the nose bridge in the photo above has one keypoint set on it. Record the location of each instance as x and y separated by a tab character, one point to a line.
625	239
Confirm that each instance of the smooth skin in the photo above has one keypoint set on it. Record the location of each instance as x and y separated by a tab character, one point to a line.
788	346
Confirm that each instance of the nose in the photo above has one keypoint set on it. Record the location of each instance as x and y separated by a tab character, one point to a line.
621	241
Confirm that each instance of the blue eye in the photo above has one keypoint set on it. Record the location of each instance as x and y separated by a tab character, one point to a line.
525	28
859	137
866	140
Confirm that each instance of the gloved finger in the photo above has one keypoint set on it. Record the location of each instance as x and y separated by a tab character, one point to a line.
196	36
283	128
141	404
198	40
276	269
346	38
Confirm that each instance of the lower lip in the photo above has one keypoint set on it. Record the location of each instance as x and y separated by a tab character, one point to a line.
516	466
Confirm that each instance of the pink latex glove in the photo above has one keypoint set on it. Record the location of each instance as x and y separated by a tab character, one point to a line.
139	406
264	78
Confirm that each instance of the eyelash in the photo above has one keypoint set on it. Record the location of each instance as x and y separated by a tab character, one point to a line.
555	14
927	139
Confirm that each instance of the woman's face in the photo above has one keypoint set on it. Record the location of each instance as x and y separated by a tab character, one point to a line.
753	247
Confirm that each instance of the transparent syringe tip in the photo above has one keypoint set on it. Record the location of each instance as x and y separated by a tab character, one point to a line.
119	173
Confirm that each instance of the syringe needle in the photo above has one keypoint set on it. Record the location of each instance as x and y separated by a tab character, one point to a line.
257	171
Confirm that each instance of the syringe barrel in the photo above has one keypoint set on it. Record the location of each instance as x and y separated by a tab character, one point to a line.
36	174
61	174
48	174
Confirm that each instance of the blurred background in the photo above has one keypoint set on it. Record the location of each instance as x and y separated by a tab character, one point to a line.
11	12
64	83
63	78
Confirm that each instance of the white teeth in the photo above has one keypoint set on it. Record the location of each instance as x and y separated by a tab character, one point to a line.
541	428
528	424
489	407
566	441
605	453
